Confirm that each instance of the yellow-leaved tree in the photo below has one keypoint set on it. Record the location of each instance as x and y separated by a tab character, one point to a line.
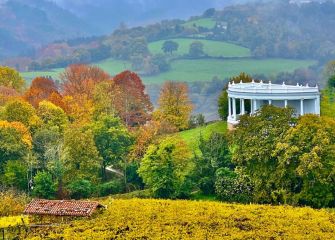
175	106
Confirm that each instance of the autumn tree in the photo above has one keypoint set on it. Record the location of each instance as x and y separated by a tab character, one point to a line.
80	79
20	111
7	94
82	157
15	141
52	116
132	103
105	98
11	78
174	105
40	89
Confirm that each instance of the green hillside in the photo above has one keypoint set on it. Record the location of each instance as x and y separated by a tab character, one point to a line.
192	136
206	69
197	69
211	48
202	22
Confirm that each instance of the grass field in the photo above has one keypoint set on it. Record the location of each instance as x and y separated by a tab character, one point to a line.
202	22
196	70
211	48
192	136
181	219
206	69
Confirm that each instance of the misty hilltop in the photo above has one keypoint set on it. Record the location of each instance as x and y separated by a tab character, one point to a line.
26	24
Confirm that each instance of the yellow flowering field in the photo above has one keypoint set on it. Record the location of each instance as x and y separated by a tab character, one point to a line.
12	221
169	219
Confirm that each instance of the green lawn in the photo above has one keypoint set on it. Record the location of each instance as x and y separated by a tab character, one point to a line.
196	70
111	66
192	136
202	22
206	69
211	48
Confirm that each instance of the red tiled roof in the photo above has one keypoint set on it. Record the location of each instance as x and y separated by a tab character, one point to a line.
61	207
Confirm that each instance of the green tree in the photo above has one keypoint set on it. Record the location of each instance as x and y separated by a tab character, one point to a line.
306	159
15	141
15	174
52	116
255	140
113	141
329	72
82	157
165	167
170	46
215	154
21	111
223	98
196	49
44	186
331	81
80	188
11	78
43	139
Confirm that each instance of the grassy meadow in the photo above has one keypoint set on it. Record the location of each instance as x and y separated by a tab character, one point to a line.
206	69
181	219
192	136
202	22
211	48
196	70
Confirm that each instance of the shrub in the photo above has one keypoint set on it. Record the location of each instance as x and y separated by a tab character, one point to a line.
44	186
108	188
80	188
12	202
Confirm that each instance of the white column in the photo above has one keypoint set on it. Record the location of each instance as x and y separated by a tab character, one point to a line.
229	107
242	106
270	102
255	105
317	105
251	106
234	109
285	103
301	107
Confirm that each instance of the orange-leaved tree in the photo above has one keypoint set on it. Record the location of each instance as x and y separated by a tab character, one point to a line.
133	104
80	79
41	89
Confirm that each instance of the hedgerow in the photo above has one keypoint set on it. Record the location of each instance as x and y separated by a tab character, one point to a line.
167	219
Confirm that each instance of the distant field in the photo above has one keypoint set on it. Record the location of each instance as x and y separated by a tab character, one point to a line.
211	48
197	70
206	69
192	136
202	22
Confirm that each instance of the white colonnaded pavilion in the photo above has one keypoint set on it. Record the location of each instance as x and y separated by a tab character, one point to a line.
303	99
